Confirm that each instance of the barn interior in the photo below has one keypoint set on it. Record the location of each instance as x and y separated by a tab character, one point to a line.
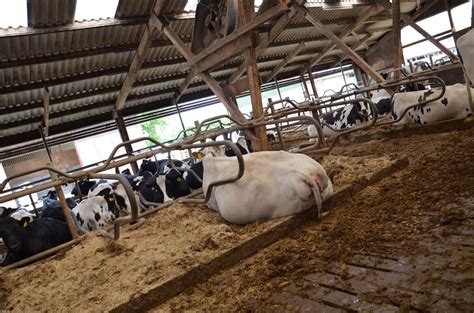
399	232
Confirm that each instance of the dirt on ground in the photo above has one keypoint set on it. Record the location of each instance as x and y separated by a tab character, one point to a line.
98	274
403	244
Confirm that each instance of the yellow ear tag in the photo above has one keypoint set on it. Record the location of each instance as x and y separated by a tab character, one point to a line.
200	155
135	191
153	188
111	198
178	179
25	223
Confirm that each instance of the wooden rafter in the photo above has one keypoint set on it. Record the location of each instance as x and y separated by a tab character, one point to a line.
139	56
233	44
277	28
339	43
343	35
396	38
46	98
163	25
409	21
285	61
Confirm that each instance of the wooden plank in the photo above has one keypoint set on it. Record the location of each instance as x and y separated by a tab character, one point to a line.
396	38
282	22
409	21
46	98
234	111
228	40
340	44
124	135
139	56
344	34
285	61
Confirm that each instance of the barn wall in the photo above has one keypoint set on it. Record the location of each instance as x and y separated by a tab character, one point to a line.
64	157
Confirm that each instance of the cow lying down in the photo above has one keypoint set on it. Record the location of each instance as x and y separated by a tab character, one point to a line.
274	184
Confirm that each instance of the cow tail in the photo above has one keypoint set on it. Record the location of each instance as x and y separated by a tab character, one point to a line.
313	184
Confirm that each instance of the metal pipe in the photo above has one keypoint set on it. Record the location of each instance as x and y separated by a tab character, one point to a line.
65	207
43	254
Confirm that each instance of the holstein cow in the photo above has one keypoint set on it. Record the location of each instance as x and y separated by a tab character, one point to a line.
85	186
465	46
349	116
52	207
274	184
97	211
40	235
454	105
21	215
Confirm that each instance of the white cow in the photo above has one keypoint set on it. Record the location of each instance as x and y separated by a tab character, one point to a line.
454	105
465	45
274	184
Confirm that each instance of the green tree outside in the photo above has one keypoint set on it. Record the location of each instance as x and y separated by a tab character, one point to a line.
153	129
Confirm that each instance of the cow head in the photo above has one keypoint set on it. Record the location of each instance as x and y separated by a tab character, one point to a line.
111	198
10	232
362	111
176	185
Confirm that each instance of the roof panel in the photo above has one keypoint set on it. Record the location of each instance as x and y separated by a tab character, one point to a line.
45	13
134	8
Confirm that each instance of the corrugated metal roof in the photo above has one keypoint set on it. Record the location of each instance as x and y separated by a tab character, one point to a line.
85	63
134	8
46	13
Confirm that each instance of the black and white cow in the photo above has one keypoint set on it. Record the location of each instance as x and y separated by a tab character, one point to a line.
40	235
21	215
274	184
454	105
97	211
349	116
85	186
465	46
52	207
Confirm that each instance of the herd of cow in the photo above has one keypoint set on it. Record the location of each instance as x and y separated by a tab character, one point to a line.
274	184
453	105
302	183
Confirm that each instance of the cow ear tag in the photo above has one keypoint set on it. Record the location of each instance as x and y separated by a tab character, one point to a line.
153	188
178	179
111	198
25	223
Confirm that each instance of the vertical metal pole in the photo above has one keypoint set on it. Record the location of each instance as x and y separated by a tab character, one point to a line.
342	73
45	143
66	210
180	118
450	16
33	204
280	135
124	135
397	47
278	88
313	84
303	81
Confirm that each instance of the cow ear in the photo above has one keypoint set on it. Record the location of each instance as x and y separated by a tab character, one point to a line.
24	222
104	192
